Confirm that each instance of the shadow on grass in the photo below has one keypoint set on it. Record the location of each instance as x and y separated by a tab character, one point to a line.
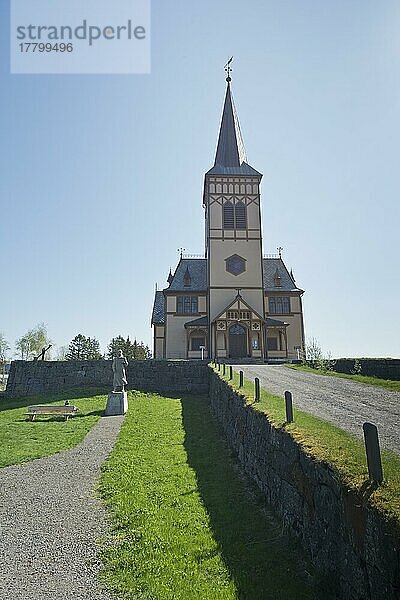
262	560
7	403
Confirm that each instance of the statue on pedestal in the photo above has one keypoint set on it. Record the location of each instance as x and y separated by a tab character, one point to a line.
118	366
117	401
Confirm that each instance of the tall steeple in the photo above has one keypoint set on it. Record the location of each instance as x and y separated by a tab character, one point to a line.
230	148
230	158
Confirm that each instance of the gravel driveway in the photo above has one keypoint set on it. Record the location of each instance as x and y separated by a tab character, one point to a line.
344	402
50	520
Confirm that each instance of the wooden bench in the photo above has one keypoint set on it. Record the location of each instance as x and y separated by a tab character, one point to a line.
68	410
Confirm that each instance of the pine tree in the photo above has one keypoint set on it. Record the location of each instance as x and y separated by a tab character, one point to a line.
130	350
83	348
116	344
93	349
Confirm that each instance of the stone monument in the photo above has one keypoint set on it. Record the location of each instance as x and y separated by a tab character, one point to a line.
117	401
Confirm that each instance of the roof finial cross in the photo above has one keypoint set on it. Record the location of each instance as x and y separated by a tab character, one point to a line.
280	251
181	251
228	69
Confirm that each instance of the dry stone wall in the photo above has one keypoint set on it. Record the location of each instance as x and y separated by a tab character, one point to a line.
41	377
350	543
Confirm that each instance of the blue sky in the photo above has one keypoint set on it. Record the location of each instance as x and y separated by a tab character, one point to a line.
101	175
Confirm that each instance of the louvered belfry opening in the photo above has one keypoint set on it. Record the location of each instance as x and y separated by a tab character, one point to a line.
240	215
228	216
234	217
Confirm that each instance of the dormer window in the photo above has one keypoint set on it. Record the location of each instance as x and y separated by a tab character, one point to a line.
187	280
277	279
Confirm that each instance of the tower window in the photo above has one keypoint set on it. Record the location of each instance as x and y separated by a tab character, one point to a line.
240	216
279	305
228	216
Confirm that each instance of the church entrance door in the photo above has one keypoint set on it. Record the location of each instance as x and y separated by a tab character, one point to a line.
237	341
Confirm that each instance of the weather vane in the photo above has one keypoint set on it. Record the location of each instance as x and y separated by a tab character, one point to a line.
228	69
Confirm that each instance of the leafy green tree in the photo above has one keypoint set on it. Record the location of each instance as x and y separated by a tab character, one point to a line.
32	342
316	357
83	348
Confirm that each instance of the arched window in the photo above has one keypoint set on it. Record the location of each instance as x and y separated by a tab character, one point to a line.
228	220
240	215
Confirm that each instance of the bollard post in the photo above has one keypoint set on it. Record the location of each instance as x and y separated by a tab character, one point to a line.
256	390
230	373
219	366
289	407
373	452
223	369
240	378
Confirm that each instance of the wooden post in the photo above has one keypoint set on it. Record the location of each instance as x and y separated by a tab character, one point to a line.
240	378
373	452
230	373
289	407
257	389
223	369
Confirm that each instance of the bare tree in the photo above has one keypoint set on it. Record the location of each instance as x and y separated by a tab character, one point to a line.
61	353
4	348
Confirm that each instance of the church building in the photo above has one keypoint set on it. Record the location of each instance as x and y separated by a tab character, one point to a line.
234	302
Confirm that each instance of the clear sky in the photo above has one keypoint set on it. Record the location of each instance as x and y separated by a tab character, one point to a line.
101	175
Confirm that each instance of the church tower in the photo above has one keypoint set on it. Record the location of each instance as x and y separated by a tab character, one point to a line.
234	255
233	303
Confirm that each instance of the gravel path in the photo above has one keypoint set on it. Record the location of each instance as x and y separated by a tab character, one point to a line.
344	402
50	520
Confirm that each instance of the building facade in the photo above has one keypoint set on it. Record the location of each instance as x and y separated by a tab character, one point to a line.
235	302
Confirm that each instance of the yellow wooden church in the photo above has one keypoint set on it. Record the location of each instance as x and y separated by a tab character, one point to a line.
233	303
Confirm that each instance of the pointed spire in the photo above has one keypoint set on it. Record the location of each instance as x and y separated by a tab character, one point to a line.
170	276
230	148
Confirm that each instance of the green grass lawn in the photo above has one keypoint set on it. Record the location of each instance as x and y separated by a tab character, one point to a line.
186	524
385	383
332	445
23	440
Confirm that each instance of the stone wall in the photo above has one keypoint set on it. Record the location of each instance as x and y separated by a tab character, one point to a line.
40	377
351	544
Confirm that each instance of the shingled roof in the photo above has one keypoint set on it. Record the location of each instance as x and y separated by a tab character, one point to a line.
197	270
272	267
158	316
